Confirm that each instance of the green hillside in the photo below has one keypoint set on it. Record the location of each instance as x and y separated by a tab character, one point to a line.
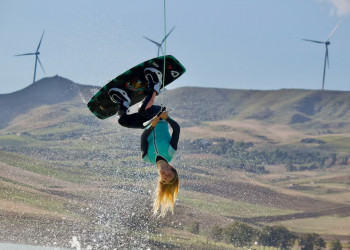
308	110
258	157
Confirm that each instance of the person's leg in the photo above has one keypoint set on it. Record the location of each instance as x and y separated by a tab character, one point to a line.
154	78
147	108
132	121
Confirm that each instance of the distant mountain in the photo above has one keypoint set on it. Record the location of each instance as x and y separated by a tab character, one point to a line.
324	112
47	91
309	110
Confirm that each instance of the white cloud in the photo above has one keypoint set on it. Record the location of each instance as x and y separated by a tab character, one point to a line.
339	7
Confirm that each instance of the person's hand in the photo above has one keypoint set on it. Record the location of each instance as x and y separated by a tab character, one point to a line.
155	120
164	115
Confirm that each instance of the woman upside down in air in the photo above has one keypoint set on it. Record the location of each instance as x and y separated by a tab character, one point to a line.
158	147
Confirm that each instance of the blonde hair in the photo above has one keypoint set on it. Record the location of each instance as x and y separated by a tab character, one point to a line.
165	195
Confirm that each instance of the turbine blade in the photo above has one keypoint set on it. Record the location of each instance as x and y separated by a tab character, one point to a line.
167	35
312	41
335	28
40	64
27	54
161	48
40	41
158	44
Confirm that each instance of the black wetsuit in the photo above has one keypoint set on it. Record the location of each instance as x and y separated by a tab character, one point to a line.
136	120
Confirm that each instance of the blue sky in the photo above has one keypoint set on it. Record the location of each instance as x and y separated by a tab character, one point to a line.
237	44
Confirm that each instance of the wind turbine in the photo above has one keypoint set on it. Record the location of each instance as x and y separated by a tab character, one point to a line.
36	53
327	43
159	45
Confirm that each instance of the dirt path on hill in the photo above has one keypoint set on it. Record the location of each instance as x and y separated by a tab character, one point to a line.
32	179
340	211
255	194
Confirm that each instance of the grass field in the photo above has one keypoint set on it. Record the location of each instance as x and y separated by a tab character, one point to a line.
322	225
337	142
34	203
63	170
226	207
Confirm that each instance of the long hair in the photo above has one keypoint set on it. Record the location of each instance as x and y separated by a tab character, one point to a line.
165	195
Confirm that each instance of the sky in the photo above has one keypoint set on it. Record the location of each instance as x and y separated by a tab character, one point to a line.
236	44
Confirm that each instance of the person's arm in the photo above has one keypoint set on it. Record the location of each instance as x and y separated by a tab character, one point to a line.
144	143
144	136
175	127
176	132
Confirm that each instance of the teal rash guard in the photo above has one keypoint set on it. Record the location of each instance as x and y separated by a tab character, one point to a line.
156	143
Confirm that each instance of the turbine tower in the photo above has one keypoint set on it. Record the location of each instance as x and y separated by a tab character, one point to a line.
159	45
327	43
36	53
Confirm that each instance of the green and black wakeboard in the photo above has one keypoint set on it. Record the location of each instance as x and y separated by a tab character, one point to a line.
135	84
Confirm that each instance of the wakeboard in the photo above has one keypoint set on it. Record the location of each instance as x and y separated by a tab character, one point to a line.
134	83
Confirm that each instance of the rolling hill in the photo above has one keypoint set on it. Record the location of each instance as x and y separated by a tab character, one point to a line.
64	172
47	91
310	110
